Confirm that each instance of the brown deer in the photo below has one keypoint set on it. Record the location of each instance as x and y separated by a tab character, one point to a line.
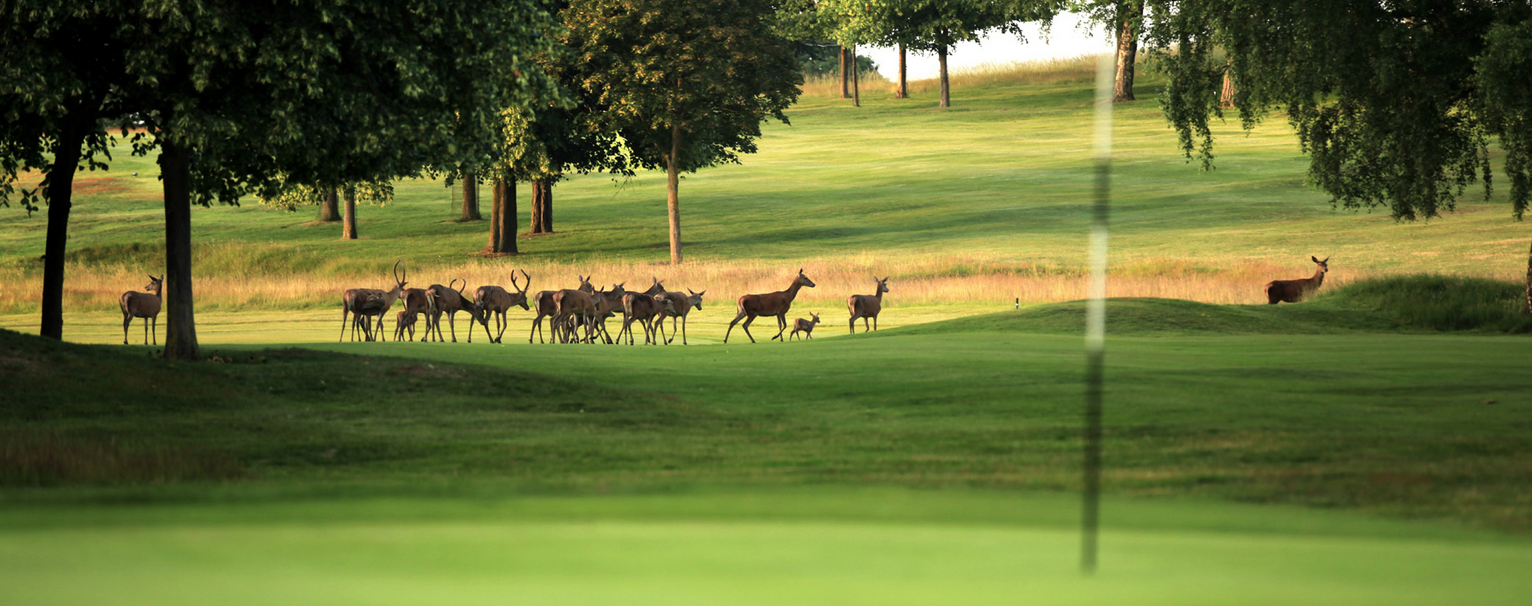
867	306
416	303
354	299
607	305
449	300
546	308
573	306
682	304
804	326
496	301
404	323
1292	291
136	304
769	304
378	305
642	308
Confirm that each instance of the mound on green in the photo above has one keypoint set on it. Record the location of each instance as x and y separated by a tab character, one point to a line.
1396	304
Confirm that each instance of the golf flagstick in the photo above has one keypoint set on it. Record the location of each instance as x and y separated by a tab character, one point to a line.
1095	315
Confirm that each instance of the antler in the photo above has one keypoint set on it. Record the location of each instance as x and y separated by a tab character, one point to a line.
529	281
398	279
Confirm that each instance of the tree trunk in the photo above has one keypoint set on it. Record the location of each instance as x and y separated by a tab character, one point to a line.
941	59
845	91
60	201
180	321
856	86
536	224
470	198
1226	98
1127	53
1528	308
673	193
329	211
502	217
904	91
547	200
348	228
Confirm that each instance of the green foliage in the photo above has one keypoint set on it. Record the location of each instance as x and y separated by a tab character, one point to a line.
935	25
290	196
1386	98
1506	101
712	68
1444	303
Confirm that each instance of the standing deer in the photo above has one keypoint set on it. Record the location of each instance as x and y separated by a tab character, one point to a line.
769	304
136	304
642	308
354	298
378	305
682	304
1292	291
867	306
804	326
546	308
416	303
607	305
405	322
496	301
573	305
449	300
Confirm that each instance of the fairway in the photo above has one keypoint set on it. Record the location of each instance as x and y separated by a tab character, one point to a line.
1371	445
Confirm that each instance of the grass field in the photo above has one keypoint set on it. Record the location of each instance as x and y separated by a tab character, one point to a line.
1367	447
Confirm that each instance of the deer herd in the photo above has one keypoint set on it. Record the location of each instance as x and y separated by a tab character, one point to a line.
580	314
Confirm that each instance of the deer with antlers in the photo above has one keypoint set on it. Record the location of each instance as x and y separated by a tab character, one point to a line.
768	304
136	304
496	301
643	308
363	303
448	300
804	326
1292	291
681	303
416	304
867	306
546	308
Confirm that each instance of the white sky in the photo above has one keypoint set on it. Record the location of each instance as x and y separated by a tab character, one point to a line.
1066	40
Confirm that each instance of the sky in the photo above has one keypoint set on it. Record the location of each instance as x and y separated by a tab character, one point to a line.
1066	39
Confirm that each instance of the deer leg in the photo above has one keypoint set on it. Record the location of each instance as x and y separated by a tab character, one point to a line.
864	323
746	327
853	323
731	327
343	311
452	325
874	322
683	331
537	323
146	331
781	326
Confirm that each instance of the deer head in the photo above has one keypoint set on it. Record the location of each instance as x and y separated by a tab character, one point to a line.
520	296
656	288
696	298
585	285
1324	266
815	318
155	284
803	280
882	284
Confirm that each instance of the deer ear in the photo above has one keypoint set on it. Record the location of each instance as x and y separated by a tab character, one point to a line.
1314	259
1327	260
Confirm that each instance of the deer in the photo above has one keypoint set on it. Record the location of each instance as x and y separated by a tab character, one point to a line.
378	305
449	300
642	308
496	301
607	305
804	326
768	304
867	306
682	304
416	302
546	308
572	305
136	304
405	322
1292	291
353	300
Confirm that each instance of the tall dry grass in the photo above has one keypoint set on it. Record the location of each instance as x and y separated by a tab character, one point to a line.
829	85
1044	71
916	280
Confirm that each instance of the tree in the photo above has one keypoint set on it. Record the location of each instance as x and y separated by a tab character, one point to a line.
686	83
470	183
290	197
1124	19
234	95
1394	103
934	26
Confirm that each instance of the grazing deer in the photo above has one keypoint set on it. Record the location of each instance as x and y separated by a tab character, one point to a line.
449	300
642	308
496	301
867	306
546	308
1292	291
416	302
353	300
405	322
136	304
804	326
768	304
682	304
378	305
572	305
